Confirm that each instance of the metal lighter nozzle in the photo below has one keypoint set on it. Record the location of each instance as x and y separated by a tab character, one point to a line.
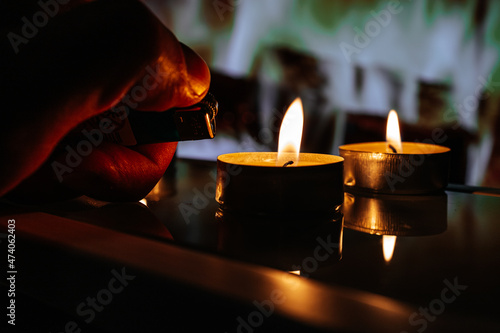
131	127
198	121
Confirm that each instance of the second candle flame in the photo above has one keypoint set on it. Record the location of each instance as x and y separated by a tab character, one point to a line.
392	136
291	134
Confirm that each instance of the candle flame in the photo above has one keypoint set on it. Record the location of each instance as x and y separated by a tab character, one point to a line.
392	136
144	201
388	245
291	134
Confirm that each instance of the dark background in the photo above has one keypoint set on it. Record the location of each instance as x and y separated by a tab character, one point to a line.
435	62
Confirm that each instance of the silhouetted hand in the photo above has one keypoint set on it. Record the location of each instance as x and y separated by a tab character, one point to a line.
71	63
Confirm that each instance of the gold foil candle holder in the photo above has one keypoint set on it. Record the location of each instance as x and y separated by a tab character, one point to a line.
420	168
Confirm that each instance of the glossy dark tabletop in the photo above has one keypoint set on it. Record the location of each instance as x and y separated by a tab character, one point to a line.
445	259
452	237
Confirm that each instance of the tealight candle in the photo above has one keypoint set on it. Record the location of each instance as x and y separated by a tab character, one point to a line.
394	166
283	183
313	185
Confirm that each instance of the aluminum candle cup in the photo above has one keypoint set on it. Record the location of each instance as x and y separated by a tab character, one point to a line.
420	168
399	215
252	183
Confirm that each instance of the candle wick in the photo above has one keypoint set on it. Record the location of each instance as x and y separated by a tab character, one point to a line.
392	148
287	164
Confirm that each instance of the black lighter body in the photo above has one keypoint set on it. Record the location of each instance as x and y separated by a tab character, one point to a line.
132	127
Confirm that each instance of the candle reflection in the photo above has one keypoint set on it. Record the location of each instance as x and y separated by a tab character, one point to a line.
393	216
398	215
288	244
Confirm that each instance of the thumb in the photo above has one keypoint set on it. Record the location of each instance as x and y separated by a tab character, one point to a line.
177	78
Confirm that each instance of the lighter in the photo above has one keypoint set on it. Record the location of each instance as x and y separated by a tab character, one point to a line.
131	127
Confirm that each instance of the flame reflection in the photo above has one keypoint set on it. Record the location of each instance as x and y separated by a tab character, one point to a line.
388	244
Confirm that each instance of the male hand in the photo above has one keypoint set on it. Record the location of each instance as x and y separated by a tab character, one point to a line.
63	64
